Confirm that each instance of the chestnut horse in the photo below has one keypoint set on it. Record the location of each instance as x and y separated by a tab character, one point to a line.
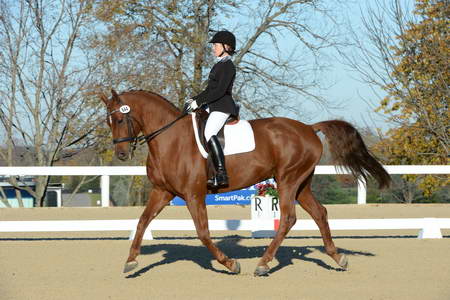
286	150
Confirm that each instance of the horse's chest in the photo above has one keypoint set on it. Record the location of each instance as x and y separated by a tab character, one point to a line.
154	172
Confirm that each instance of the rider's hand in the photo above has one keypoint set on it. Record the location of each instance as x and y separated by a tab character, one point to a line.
190	106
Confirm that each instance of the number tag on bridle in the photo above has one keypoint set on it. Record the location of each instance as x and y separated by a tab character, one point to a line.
124	109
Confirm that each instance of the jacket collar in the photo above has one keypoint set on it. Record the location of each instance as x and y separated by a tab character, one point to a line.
223	59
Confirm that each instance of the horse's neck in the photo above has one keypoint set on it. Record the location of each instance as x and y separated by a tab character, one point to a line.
156	116
166	148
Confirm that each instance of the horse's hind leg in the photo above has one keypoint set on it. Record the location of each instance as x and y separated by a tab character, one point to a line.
197	209
158	199
287	190
319	213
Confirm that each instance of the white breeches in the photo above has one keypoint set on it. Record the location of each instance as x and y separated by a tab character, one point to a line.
214	123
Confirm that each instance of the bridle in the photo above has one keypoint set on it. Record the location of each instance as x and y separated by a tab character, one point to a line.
125	110
132	138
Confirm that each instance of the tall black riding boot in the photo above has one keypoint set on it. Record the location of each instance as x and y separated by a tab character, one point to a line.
218	159
211	173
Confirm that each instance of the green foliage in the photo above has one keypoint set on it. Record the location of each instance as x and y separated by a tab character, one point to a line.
328	190
95	199
55	179
404	191
129	190
119	190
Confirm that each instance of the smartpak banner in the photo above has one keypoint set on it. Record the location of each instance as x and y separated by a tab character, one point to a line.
242	197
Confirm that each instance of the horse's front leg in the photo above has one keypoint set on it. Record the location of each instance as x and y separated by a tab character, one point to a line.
197	209
158	199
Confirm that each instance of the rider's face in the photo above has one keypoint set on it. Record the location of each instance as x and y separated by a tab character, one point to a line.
217	49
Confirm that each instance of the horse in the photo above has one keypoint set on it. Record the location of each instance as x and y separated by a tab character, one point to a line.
286	150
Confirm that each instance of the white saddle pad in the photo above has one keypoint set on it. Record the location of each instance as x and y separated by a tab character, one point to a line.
239	138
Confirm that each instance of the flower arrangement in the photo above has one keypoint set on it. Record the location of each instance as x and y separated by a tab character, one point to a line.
266	189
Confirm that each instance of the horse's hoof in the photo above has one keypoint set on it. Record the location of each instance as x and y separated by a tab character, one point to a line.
343	262
130	266
261	271
236	269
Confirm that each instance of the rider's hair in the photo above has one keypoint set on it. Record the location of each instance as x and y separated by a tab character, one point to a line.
229	49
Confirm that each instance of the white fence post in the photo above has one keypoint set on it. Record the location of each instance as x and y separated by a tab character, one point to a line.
430	230
59	198
104	184
362	190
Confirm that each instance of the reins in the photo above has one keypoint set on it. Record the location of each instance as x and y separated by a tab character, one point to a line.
149	137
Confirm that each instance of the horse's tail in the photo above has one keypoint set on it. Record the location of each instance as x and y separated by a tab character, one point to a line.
349	151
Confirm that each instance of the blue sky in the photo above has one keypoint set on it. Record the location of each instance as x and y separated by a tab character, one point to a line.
357	99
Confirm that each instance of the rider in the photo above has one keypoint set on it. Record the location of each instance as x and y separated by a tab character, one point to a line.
217	97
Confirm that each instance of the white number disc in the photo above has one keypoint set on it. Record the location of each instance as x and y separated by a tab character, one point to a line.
124	109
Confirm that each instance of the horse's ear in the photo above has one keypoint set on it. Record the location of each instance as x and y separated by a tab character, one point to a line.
104	99
115	97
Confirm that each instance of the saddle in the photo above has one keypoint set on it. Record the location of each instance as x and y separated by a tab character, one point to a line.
239	138
201	116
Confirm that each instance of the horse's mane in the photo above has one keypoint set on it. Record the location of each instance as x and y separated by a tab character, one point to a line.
152	93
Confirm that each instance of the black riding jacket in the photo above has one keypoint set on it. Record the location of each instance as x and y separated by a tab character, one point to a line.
217	94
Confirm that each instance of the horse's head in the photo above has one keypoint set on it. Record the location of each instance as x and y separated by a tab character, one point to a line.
122	121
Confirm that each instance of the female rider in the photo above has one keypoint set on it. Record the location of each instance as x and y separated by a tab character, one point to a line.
217	97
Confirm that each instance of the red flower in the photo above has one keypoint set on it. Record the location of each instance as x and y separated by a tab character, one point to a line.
262	189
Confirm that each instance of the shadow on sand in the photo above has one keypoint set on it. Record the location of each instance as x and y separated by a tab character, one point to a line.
231	247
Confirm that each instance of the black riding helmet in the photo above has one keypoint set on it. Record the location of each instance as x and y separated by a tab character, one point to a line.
225	37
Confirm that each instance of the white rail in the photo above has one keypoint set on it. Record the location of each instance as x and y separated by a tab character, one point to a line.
429	227
105	172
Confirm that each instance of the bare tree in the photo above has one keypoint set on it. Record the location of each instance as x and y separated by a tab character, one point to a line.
373	55
43	75
279	47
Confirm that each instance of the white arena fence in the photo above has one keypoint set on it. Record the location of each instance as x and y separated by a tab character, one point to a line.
429	227
105	172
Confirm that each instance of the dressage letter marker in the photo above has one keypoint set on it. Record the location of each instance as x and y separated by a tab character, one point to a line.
265	216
